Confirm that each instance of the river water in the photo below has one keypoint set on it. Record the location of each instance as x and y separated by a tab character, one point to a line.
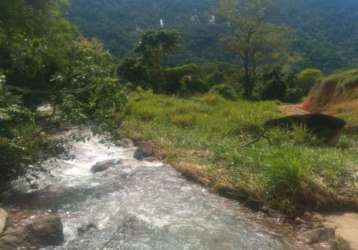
137	205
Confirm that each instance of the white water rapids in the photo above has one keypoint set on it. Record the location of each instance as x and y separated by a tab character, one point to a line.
137	205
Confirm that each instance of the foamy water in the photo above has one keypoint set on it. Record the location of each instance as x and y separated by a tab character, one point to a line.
139	205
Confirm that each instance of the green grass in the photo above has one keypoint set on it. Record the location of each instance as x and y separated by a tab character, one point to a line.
216	133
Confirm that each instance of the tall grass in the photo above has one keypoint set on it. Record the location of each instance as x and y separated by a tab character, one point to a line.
223	136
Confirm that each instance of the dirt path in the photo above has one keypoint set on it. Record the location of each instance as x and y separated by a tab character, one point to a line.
346	227
293	109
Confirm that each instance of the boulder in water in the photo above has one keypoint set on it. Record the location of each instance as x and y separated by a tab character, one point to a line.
104	165
38	232
144	150
323	126
3	220
46	231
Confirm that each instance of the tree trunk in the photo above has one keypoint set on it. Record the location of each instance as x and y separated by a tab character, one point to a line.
248	81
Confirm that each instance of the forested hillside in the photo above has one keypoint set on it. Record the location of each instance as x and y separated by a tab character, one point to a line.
325	32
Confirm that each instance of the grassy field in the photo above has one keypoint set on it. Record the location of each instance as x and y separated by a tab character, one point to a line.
215	142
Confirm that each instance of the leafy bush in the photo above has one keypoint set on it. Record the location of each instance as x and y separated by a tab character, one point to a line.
184	79
226	91
134	71
307	78
272	85
92	91
20	137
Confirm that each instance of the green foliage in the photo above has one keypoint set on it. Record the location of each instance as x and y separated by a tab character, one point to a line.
36	39
323	36
132	70
146	70
184	120
257	41
159	43
184	79
91	89
307	78
43	59
226	91
20	138
272	85
285	172
153	47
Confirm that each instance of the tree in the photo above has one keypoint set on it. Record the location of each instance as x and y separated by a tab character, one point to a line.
273	85
307	78
256	41
153	47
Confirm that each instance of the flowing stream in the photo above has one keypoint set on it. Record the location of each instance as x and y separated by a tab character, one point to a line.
137	205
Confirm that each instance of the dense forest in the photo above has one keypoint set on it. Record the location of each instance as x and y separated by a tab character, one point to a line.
254	99
324	31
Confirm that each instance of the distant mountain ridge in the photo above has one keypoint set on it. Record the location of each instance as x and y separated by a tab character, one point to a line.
326	31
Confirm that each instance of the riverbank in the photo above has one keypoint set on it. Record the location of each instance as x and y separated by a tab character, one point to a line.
214	142
106	198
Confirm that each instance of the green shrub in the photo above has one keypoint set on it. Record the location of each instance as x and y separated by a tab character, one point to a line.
272	85
92	92
285	171
226	91
184	79
307	78
134	71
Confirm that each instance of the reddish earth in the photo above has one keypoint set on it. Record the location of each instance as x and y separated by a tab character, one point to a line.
293	109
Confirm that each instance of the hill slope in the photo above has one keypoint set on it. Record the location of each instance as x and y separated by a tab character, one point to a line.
337	94
326	31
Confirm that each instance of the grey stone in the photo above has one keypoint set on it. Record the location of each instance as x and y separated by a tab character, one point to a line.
46	231
104	165
42	231
144	150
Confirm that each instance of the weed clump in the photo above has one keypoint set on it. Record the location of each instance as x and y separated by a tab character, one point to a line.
184	120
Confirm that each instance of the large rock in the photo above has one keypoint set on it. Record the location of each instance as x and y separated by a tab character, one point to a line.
3	220
104	165
325	127
46	231
144	150
38	232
